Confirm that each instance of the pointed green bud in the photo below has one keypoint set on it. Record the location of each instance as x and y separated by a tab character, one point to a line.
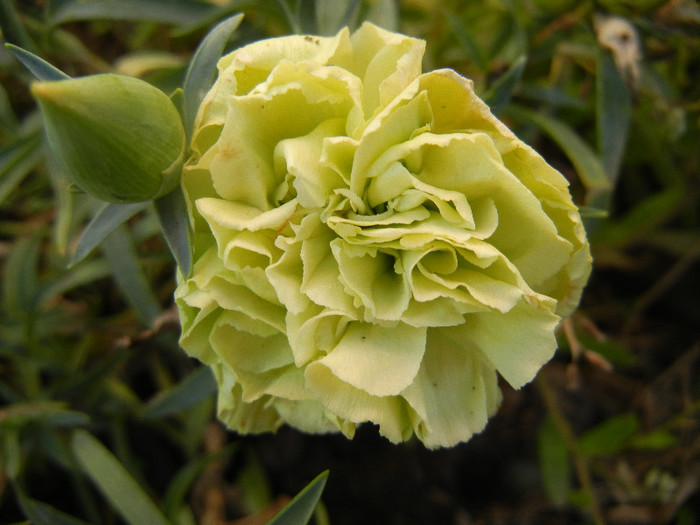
119	138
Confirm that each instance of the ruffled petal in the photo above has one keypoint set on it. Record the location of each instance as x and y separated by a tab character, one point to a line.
357	406
454	393
379	360
300	157
315	332
375	280
247	418
517	343
386	62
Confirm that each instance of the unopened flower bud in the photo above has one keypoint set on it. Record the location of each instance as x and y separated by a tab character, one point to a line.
119	138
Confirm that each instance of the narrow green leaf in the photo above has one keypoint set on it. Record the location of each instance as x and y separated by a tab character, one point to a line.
11	457
195	425
291	17
588	165
384	13
8	395
202	69
41	513
552	97
580	498
52	412
172	214
8	120
106	220
177	97
52	443
38	67
170	12
12	28
502	91
196	387
654	440
610	436
65	207
20	279
115	483
76	276
306	16
222	12
299	510
57	450
65	418
121	255
93	381
468	42
555	465
643	218
589	212
17	160
612	351
332	15
256	490
613	110
507	31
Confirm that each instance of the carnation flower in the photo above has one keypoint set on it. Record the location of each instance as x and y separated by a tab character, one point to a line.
370	243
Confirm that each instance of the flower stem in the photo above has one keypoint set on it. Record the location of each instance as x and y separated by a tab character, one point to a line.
579	459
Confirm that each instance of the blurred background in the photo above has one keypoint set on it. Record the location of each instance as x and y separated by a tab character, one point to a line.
93	386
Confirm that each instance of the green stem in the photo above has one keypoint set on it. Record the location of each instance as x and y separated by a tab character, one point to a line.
580	461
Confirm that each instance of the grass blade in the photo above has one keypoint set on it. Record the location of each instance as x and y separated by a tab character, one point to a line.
196	387
75	277
112	479
588	165
41	513
9	125
467	41
610	436
105	221
555	465
121	255
332	15
170	12
644	217
16	161
613	108
172	214
299	510
12	28
20	275
502	91
202	68
38	67
384	13
54	413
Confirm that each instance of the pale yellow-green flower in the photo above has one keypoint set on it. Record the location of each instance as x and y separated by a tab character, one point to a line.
371	243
